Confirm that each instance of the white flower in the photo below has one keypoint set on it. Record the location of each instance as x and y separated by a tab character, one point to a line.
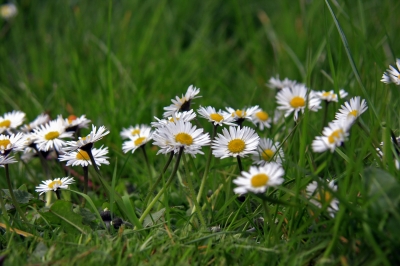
11	120
331	96
182	104
39	120
6	160
350	111
261	118
137	140
395	142
86	143
295	99
319	196
81	157
392	75
132	131
333	136
235	142
217	118
276	83
8	11
266	152
50	135
258	179
174	136
54	185
186	116
73	122
245	113
13	142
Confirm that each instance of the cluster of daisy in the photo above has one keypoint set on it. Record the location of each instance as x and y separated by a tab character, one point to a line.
51	139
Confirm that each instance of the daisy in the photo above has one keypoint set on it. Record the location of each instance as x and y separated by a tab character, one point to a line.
182	104
258	179
320	196
86	143
396	145
261	118
331	96
295	99
39	120
138	140
235	142
8	11
392	75
73	122
54	185
51	135
217	118
350	111
186	116
276	83
333	136
174	136
266	152
6	160
11	120
13	142
81	157
132	131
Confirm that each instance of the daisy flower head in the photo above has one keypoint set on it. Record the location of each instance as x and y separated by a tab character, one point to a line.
132	131
54	185
320	196
86	143
350	111
296	99
81	157
51	135
261	118
331	96
8	11
267	152
276	83
395	141
175	136
258	179
7	159
217	118
74	123
333	136
13	142
240	115
186	116
39	120
11	120
392	75
182	104
138	140
235	142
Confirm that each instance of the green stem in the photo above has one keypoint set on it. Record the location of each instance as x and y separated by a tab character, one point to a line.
161	192
147	164
14	200
239	163
158	179
85	183
58	194
193	195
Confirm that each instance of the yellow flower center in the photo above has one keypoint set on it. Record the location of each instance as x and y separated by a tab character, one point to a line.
52	135
216	117
135	132
326	94
353	113
259	180
239	113
4	143
5	123
139	141
236	145
263	116
327	196
184	138
335	135
82	155
55	183
297	102
267	154
71	118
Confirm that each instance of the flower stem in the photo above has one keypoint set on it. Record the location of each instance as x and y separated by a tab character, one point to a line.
239	163
85	183
14	200
58	194
161	192
147	164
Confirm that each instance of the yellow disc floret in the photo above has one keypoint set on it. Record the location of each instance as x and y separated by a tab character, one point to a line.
52	135
259	180
297	102
216	117
82	155
236	145
139	141
184	138
267	154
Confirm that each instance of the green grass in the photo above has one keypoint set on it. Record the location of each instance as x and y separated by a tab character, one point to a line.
120	63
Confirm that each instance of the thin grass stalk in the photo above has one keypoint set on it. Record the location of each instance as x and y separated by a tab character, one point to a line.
14	200
85	183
